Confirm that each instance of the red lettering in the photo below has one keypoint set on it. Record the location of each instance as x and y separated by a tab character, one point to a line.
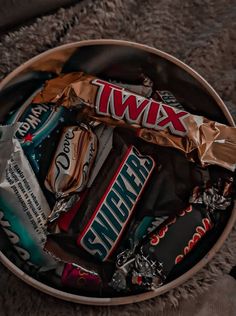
119	103
150	117
189	209
123	102
207	224
179	258
200	230
172	119
186	250
182	213
103	95
154	240
163	231
195	239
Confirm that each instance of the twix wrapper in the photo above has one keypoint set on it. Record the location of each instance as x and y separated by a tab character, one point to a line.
203	141
70	168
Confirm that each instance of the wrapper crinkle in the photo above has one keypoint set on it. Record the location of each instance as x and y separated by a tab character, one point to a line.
203	141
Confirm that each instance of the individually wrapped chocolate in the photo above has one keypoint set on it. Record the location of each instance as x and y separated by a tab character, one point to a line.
76	269
116	206
38	122
100	218
74	276
82	211
71	166
23	207
168	98
148	264
203	141
95	213
144	90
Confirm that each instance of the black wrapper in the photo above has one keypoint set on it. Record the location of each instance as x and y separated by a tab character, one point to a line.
170	166
175	239
147	264
165	247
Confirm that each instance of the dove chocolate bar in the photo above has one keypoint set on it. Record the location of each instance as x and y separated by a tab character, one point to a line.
71	166
72	162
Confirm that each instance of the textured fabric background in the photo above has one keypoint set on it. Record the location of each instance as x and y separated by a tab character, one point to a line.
202	33
14	12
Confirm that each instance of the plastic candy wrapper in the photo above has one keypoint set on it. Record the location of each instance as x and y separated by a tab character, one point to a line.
105	156
74	276
167	97
203	141
148	263
78	270
70	167
38	121
104	211
129	188
23	207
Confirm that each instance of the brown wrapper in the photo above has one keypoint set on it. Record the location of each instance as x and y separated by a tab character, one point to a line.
203	141
72	162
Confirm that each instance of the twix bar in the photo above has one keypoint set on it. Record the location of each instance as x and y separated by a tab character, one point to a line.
203	141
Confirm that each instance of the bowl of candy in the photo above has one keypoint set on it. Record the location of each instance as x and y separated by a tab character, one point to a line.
116	172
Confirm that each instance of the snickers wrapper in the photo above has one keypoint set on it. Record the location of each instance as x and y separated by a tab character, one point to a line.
101	216
203	141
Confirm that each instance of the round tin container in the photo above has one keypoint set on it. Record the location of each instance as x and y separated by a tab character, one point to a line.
124	61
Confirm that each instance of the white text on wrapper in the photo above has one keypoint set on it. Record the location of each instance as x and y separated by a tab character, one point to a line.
116	206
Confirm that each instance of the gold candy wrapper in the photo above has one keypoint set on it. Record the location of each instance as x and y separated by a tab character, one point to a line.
71	165
72	162
203	141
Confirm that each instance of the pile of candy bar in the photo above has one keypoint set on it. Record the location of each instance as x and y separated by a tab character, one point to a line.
108	186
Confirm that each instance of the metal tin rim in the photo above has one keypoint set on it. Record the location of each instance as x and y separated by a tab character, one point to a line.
184	277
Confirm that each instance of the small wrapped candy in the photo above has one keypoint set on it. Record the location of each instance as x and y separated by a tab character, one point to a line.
71	166
148	265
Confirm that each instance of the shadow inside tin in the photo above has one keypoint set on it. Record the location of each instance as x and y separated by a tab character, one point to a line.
127	65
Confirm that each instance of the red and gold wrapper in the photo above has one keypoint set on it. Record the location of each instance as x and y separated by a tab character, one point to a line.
203	141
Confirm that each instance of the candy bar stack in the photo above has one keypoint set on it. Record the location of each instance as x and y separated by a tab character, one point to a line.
107	187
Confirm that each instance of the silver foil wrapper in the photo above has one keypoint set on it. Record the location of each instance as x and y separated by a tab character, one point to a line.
23	207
